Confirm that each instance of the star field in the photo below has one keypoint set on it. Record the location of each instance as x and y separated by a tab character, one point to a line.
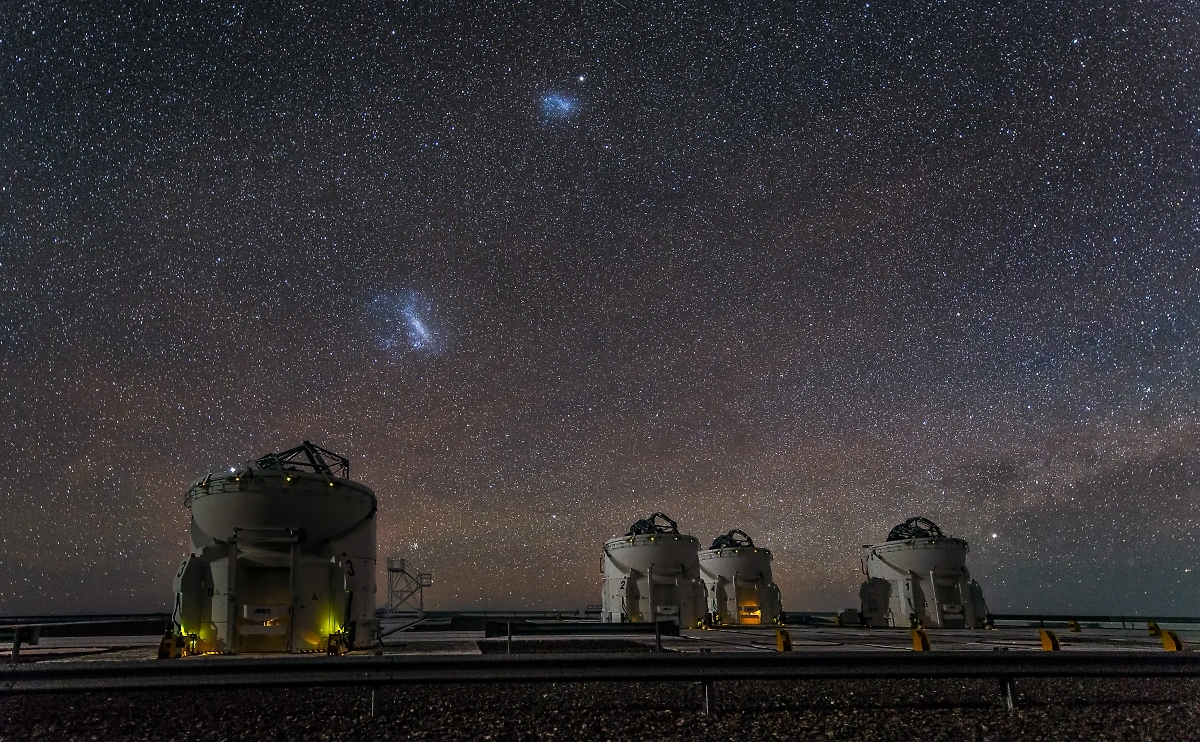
538	270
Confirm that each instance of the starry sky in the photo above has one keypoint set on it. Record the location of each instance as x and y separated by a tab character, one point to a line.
539	269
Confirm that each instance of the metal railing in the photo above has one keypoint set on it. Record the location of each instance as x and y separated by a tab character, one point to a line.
1041	619
137	625
495	629
705	668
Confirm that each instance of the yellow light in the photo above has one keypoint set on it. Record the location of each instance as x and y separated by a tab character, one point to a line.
289	479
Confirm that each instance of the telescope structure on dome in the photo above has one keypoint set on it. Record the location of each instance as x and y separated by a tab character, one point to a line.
652	574
919	577
282	559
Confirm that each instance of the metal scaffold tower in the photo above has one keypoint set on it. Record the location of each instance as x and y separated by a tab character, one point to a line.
406	587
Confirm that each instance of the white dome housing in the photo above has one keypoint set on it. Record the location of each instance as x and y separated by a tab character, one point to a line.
737	576
283	557
651	573
919	577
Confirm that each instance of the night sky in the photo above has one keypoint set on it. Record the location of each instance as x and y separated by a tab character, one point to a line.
541	269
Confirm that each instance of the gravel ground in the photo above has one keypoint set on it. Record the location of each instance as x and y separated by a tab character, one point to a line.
1140	709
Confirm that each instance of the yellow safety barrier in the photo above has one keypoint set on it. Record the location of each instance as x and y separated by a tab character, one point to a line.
783	640
1153	627
1074	627
171	647
1171	641
920	640
1049	640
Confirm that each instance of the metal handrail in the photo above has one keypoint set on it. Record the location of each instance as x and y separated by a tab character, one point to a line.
680	667
1083	617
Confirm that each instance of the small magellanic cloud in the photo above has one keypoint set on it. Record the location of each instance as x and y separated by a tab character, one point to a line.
557	106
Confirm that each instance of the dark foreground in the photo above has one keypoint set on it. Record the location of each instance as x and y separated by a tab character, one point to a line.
1137	709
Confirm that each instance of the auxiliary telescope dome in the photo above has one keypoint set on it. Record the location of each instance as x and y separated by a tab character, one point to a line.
283	557
652	574
737	576
918	577
298	489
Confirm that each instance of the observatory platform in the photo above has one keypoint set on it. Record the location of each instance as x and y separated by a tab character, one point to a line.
438	634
